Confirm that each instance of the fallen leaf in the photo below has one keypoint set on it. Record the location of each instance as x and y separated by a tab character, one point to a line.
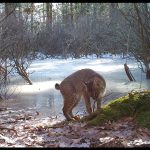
2	141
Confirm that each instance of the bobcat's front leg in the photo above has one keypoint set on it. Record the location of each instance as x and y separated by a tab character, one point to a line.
99	103
87	102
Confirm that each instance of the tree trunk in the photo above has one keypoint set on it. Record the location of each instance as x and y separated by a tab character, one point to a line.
49	15
76	14
71	14
128	73
148	74
9	7
44	13
147	68
22	72
81	9
32	8
20	11
94	16
112	15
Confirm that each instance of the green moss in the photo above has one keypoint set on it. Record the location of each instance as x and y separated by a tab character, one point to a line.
143	119
134	104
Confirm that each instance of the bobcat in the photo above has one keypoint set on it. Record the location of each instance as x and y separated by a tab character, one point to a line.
84	82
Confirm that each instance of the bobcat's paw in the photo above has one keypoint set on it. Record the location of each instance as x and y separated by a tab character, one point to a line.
77	117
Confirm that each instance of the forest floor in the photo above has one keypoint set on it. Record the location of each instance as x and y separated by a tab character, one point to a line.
24	128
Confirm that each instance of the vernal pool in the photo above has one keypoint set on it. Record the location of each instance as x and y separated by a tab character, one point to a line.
42	96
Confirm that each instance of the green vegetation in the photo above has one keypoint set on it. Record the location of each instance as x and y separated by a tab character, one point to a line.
136	105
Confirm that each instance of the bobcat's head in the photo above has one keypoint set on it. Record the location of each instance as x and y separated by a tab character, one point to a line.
96	87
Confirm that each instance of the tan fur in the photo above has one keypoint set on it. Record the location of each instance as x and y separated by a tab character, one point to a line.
86	83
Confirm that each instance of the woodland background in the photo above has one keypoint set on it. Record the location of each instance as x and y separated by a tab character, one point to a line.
72	30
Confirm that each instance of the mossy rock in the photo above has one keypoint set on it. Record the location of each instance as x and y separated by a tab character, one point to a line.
135	105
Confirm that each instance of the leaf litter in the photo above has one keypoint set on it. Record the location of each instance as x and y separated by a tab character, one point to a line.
24	128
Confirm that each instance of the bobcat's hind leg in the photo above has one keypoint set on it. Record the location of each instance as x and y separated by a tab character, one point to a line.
66	108
69	104
66	114
75	101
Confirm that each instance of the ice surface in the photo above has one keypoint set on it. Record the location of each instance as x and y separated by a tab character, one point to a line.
42	95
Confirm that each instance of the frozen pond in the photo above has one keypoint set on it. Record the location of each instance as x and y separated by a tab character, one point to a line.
42	97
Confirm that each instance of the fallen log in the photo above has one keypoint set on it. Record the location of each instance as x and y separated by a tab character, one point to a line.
128	73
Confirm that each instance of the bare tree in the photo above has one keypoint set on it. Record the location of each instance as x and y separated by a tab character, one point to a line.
138	20
16	42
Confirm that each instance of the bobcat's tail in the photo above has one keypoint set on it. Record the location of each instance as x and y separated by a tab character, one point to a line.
57	86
